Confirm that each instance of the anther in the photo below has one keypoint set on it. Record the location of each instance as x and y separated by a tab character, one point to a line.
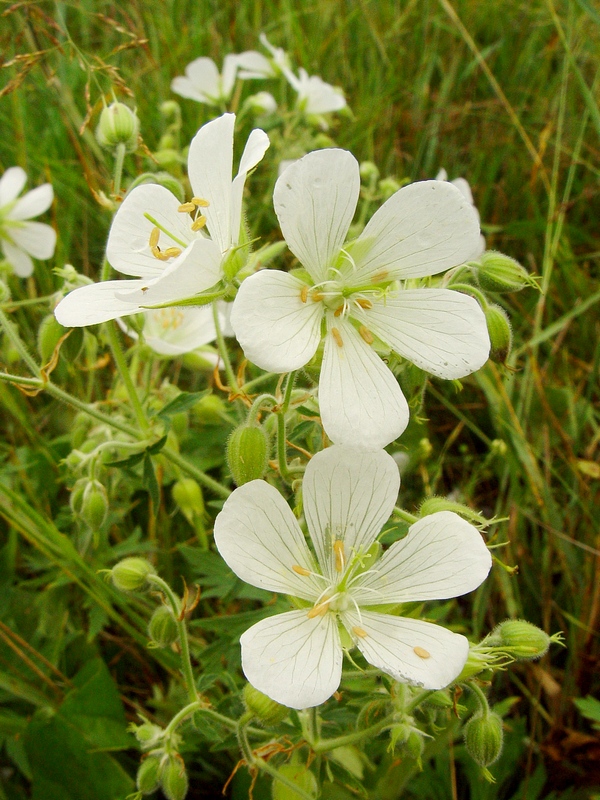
304	294
421	652
320	609
198	201
185	208
199	222
360	632
366	334
316	295
339	311
158	253
300	570
337	336
154	237
338	549
363	302
380	276
172	252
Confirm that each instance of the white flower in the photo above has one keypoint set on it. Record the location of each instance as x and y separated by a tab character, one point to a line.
296	657
463	187
262	103
314	95
154	238
355	296
19	238
203	82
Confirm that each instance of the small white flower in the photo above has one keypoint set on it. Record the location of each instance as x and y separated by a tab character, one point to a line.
314	96
203	82
154	238
463	187
296	657
262	103
19	238
355	297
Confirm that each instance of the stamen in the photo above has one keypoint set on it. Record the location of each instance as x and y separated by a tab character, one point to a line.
198	201
360	632
304	294
337	336
338	549
320	609
316	295
158	253
300	570
421	652
185	208
339	311
363	302
380	276
154	236
366	334
199	223
172	252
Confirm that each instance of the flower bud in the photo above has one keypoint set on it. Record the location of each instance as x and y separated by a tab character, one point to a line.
368	171
500	273
483	738
147	778
300	776
147	734
188	496
388	187
94	505
76	498
525	641
162	627
118	125
130	574
4	292
49	334
173	779
500	332
266	710
248	453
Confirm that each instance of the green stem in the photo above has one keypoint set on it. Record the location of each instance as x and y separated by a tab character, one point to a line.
121	362
483	701
248	387
182	715
222	347
201	477
350	738
8	378
405	515
118	174
15	339
257	406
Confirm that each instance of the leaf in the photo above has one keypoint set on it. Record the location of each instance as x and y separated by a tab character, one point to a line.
589	707
155	448
150	482
183	402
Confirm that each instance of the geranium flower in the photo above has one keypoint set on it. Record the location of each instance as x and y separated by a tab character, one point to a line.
358	296
296	657
19	238
463	187
203	82
154	237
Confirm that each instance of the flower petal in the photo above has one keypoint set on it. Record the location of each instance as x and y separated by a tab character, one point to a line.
36	238
442	556
195	270
315	199
252	64
19	260
442	331
256	147
228	75
210	166
33	203
277	331
260	539
423	229
97	302
360	400
410	650
292	659
348	496
128	249
173	331
11	184
201	81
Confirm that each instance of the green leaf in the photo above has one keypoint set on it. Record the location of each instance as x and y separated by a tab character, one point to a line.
150	482
155	448
589	707
183	402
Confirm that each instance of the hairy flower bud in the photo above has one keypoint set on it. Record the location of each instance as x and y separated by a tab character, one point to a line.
248	453
500	273
525	640
500	332
94	504
484	737
263	708
173	779
49	334
148	775
76	498
130	574
148	734
162	627
188	496
118	125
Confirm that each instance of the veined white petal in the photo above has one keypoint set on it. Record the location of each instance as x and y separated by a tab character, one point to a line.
177	330
361	402
33	203
423	229
228	75
252	64
260	539
317	97
315	200
210	165
256	147
11	184
442	331
277	331
36	238
128	249
184	87
442	556
195	270
97	302
410	650
201	81
20	261
348	496
292	659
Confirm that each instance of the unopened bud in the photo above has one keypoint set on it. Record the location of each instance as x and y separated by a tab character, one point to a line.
148	775
94	505
523	639
388	187
76	498
49	334
263	708
173	779
300	776
368	171
248	453
130	574
118	125
162	627
484	737
500	273
4	292
187	493
500	332
148	734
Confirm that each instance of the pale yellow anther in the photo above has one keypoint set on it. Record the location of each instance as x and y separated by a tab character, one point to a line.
199	222
363	302
304	294
380	276
320	609
300	570
366	334
421	652
337	336
154	237
198	201
172	252
338	549
339	311
158	253
185	208
316	295
360	632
